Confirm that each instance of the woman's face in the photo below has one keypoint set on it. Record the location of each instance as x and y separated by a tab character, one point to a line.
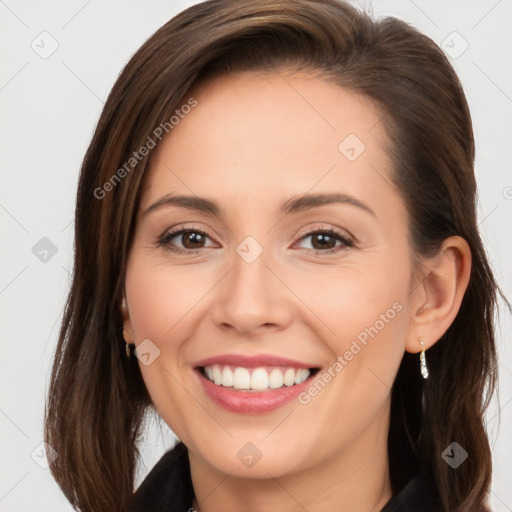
255	280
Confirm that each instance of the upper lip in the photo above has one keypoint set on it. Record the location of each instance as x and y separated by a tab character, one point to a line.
253	361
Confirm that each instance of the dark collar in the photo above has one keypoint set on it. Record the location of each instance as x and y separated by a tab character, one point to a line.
168	488
416	496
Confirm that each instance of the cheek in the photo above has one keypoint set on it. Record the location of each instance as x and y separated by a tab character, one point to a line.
356	303
363	316
160	298
162	302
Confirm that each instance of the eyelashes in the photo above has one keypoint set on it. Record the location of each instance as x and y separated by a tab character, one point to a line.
193	236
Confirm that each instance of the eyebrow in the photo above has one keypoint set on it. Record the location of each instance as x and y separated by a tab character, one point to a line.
292	205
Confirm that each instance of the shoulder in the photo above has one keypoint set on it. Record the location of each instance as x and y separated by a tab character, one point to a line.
167	483
416	496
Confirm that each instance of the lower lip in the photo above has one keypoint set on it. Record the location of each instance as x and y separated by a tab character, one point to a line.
251	402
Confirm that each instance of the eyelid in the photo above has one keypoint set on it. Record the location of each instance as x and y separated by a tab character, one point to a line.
325	227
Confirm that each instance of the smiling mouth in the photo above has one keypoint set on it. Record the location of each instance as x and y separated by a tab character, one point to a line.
264	378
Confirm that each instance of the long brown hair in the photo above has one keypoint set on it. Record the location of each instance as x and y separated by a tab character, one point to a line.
97	398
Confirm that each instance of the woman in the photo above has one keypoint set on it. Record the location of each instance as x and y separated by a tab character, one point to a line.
277	211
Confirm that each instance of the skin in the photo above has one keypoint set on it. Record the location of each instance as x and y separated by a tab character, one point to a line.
253	142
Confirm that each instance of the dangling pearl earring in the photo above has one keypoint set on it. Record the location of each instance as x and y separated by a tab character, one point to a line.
127	345
423	362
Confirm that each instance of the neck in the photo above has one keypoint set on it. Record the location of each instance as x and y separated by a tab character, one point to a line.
355	478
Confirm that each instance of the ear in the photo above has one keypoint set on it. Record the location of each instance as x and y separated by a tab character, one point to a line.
127	324
438	298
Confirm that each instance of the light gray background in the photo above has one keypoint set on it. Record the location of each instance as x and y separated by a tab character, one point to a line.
49	108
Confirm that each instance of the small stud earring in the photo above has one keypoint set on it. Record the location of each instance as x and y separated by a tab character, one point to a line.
423	362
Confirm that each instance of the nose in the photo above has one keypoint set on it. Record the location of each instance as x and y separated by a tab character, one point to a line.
252	299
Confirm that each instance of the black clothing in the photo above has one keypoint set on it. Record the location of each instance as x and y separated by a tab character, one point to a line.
168	488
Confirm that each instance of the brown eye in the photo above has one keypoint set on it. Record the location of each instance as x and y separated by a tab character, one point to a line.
327	240
322	241
184	240
192	240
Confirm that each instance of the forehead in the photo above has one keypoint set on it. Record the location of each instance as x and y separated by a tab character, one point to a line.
272	134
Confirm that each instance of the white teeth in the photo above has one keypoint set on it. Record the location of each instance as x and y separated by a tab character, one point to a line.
241	378
227	377
217	374
275	379
260	379
289	377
